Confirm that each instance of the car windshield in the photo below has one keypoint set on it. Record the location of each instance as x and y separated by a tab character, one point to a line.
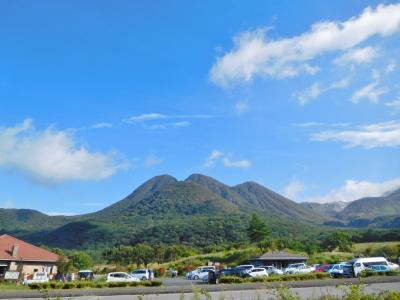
139	272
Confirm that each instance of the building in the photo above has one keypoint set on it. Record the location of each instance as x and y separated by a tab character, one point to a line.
278	259
20	256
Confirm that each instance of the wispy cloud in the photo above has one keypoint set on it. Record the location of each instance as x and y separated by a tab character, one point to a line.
7	204
293	189
358	55
52	156
152	160
356	189
315	90
394	105
169	125
371	92
390	68
254	54
164	121
386	134
226	160
241	106
101	125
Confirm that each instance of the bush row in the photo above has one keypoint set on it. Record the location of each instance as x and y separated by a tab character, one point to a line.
91	284
371	273
275	278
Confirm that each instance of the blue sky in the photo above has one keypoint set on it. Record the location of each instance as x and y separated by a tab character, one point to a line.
303	98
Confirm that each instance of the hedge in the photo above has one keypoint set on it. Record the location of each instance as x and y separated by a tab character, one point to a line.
368	273
274	278
91	284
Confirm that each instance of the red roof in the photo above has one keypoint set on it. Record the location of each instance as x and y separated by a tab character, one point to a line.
25	252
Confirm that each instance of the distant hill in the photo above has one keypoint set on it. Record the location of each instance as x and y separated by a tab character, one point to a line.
198	211
329	209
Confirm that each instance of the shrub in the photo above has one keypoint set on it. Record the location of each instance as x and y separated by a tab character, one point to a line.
117	284
160	272
156	283
231	279
69	285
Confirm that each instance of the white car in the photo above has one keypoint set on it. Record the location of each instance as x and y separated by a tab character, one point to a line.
257	272
38	277
393	266
292	267
142	274
195	273
304	270
271	270
121	277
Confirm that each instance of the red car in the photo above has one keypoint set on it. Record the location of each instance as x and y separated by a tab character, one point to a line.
323	268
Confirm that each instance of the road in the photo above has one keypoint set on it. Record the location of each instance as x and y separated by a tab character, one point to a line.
182	289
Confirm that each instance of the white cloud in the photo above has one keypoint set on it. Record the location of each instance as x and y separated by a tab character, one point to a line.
241	106
226	160
242	164
386	134
315	90
293	189
210	161
169	125
369	92
7	204
255	54
101	125
152	160
52	156
358	55
390	68
354	190
308	124
158	116
395	105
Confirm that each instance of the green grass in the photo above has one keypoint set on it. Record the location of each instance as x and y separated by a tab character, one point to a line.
11	286
374	245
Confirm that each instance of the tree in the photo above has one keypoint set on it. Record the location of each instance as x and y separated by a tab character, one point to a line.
159	253
257	230
338	239
265	244
80	260
143	253
122	255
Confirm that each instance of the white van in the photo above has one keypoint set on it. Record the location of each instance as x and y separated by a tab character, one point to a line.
361	264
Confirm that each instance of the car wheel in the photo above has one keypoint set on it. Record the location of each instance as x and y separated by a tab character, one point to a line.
196	277
144	278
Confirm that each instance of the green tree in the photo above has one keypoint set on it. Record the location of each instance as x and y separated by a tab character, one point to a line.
121	255
159	253
265	244
338	239
257	230
80	260
143	253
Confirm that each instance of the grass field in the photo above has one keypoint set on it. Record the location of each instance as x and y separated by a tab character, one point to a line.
375	245
10	286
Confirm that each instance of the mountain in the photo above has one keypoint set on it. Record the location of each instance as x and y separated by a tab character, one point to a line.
198	211
330	209
382	212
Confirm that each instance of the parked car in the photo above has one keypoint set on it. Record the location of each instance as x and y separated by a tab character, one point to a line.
323	268
256	272
361	264
303	270
121	277
393	266
241	270
203	273
85	275
195	273
342	270
271	270
379	269
38	277
143	274
292	267
172	272
228	272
